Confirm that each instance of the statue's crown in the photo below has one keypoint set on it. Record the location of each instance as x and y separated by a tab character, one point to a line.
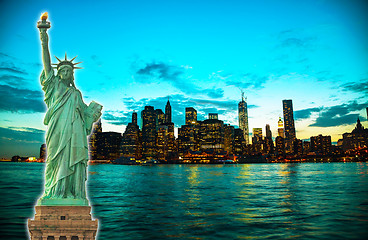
66	62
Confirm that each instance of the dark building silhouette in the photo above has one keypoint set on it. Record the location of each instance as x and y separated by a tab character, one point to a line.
320	145
43	151
135	118
190	116
168	112
131	144
268	146
280	145
108	145
149	131
228	138
243	118
289	127
358	138
93	139
187	139
239	142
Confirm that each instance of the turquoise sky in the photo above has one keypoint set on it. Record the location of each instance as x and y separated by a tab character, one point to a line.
201	54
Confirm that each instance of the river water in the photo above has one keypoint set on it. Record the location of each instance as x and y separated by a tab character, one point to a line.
245	201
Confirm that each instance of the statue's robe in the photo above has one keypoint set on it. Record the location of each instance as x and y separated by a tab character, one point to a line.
66	139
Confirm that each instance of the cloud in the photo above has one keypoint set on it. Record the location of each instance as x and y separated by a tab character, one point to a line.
22	135
339	115
20	100
117	117
177	76
13	70
358	87
305	113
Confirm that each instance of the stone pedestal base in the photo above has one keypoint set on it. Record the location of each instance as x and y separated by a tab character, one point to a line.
62	223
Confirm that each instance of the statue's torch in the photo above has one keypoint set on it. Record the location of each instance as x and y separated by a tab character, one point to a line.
43	24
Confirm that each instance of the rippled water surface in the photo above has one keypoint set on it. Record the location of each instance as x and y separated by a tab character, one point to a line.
255	201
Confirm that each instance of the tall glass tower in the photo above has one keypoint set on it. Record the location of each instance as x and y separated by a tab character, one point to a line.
243	118
289	126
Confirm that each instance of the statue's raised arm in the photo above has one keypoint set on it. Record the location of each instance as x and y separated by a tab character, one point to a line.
43	25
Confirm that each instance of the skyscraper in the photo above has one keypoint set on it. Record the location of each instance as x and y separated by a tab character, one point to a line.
135	118
289	126
190	116
268	131
243	118
168	112
280	129
149	130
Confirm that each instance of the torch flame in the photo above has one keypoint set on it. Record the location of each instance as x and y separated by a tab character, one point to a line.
44	16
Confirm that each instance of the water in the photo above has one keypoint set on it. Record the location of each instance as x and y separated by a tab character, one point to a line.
248	201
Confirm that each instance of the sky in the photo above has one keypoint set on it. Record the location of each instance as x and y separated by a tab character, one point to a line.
199	54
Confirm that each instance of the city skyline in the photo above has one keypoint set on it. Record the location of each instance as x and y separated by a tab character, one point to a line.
201	55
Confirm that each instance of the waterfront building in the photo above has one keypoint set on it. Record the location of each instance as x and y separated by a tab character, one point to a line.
149	131
268	131
187	139
280	145
162	143
168	112
320	145
239	142
131	144
211	135
243	118
358	138
298	147
306	147
108	146
43	151
228	138
257	140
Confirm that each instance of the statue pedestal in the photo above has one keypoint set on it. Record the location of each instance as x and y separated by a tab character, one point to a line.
62	223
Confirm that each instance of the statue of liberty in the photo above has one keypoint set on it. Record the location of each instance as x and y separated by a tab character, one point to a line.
69	120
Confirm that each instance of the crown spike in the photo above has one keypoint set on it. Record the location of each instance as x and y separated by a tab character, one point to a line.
65	57
78	68
76	63
73	59
58	59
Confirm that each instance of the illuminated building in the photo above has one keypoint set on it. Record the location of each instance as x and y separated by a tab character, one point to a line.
228	138
243	118
131	145
168	112
160	116
187	139
289	127
321	145
149	131
211	134
162	143
358	138
239	142
298	147
306	147
213	116
280	145
257	140
280	129
190	116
